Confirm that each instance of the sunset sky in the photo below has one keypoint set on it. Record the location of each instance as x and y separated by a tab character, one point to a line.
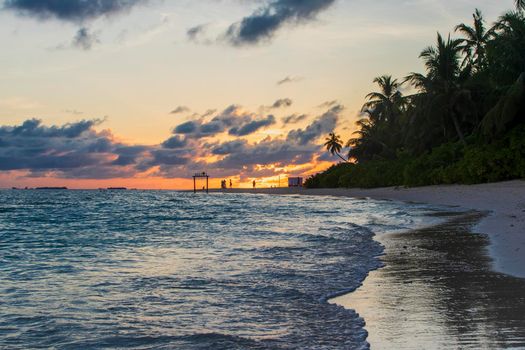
143	93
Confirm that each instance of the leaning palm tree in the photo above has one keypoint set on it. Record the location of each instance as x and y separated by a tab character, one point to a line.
334	144
474	41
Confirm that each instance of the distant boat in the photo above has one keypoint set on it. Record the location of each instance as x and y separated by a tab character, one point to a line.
117	188
51	188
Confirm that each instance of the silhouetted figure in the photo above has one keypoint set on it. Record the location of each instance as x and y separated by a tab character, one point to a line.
254	184
231	185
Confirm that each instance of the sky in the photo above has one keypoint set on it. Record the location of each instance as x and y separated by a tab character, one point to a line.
144	93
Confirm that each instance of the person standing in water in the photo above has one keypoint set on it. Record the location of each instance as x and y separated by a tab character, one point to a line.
254	184
231	185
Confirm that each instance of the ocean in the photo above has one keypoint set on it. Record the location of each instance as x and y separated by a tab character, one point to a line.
177	270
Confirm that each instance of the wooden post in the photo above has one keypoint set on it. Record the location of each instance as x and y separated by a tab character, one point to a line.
201	176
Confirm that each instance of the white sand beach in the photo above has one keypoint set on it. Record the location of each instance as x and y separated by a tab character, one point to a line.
504	203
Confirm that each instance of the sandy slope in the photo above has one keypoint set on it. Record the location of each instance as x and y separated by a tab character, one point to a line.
504	201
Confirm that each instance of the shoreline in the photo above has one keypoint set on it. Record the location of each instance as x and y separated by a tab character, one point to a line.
437	290
504	202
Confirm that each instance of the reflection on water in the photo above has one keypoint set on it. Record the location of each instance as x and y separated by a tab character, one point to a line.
437	292
170	270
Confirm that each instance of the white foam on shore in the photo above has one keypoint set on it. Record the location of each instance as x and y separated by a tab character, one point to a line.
504	201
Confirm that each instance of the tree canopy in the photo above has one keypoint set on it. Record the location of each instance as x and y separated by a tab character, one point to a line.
470	97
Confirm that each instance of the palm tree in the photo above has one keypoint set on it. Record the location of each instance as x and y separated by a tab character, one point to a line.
520	5
475	41
505	51
386	104
334	144
442	84
370	141
442	61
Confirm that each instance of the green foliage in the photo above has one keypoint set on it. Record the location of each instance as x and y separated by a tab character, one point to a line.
463	124
450	163
506	110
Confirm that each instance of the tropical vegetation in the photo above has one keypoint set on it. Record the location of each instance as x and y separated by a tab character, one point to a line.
460	121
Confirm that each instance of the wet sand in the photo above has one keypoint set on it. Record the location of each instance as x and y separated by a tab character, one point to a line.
438	291
445	287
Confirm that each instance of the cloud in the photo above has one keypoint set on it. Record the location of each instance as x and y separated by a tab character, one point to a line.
168	157
84	39
186	128
174	142
294	118
77	150
70	10
180	109
328	104
288	80
283	102
208	113
252	126
299	147
268	19
321	126
73	111
128	155
275	152
198	35
41	148
229	147
233	119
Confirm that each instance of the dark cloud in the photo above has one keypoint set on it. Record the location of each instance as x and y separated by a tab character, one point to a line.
283	102
77	150
229	147
70	10
180	109
198	35
289	80
34	128
186	128
321	126
36	147
294	118
266	20
168	157
233	120
128	155
174	142
297	148
252	126
265	153
208	113
84	39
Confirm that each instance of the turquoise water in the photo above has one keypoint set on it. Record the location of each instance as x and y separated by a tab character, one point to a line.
174	270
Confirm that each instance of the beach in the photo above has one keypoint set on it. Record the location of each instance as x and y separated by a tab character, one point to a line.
504	204
457	284
437	291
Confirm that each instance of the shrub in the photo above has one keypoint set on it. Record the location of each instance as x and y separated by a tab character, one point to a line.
449	163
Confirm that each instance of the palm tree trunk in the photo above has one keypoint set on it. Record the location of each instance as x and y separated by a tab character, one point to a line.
340	156
458	130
